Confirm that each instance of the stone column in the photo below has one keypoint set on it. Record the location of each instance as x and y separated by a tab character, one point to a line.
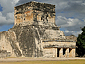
73	52
55	52
67	53
61	53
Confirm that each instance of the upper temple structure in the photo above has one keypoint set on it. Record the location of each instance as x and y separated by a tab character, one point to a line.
35	12
35	34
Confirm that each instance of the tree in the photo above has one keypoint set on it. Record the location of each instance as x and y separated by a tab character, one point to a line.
81	43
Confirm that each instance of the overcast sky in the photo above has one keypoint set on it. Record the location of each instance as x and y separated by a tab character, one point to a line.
70	14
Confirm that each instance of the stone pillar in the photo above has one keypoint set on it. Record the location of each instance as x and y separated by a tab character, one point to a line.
67	53
61	53
73	52
55	52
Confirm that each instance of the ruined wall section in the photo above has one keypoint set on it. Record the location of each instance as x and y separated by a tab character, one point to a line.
4	43
44	12
7	42
29	41
22	41
54	34
44	18
35	12
62	48
23	15
71	37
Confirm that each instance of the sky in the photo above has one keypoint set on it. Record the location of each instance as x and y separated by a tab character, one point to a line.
70	14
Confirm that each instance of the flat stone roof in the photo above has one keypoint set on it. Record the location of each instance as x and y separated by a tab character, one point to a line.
34	4
37	6
58	40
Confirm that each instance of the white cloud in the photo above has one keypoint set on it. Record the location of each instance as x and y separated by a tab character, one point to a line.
71	8
61	20
69	23
76	33
8	6
2	18
8	19
0	14
7	15
72	26
10	15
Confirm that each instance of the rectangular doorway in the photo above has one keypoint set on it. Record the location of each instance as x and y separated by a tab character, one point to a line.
64	52
58	50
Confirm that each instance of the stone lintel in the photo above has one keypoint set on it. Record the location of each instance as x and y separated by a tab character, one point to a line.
58	41
53	46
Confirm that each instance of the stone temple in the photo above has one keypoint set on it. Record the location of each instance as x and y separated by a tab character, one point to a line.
35	34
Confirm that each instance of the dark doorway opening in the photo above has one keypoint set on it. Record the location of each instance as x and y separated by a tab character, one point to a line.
70	50
64	51
58	50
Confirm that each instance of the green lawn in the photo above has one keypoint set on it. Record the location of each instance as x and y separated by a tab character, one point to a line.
47	62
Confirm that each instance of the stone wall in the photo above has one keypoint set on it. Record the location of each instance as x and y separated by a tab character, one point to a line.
30	41
59	49
35	34
72	37
22	41
34	12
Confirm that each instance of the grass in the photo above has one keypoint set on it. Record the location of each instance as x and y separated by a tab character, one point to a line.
47	62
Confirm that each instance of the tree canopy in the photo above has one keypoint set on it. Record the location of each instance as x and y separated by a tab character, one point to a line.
81	43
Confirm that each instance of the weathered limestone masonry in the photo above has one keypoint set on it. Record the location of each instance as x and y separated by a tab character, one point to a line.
34	11
35	34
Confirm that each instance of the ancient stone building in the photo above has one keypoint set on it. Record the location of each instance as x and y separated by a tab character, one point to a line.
72	37
34	11
35	34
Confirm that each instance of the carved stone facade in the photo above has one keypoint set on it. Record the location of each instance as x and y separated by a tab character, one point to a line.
35	34
35	12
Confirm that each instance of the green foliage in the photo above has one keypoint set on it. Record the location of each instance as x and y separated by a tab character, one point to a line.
81	43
